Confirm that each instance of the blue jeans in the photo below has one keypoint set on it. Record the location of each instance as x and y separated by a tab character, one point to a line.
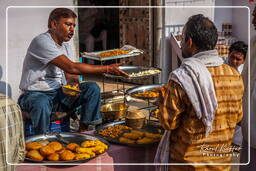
40	105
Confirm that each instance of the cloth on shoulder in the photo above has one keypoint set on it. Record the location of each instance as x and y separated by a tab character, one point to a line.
196	80
12	146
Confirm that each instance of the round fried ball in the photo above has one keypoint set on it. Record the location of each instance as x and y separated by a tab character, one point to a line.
62	150
35	155
55	145
54	157
33	146
67	155
47	150
72	146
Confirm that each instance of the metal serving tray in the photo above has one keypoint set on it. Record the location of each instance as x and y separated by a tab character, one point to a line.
134	69
94	55
68	136
132	91
153	127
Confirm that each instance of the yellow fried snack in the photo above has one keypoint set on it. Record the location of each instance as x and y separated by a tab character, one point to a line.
67	155
33	146
72	146
47	150
81	156
35	155
115	52
98	149
126	140
99	143
71	87
154	136
85	150
146	140
88	144
54	157
140	133
113	131
55	145
131	136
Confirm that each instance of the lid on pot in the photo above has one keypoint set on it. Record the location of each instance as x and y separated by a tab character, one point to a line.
135	114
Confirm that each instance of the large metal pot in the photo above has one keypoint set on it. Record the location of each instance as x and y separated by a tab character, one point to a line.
114	111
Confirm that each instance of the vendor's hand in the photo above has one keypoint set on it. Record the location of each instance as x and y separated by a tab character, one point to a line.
114	70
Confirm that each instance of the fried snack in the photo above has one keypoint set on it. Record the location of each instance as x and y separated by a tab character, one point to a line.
88	144
126	140
33	146
47	150
138	133
71	87
99	143
43	142
81	156
67	155
154	136
72	146
144	73
115	52
131	136
54	157
35	155
146	140
113	131
85	150
98	149
55	145
61	151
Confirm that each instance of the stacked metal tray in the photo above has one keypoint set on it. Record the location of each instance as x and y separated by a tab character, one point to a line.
132	91
66	136
134	69
95	55
151	126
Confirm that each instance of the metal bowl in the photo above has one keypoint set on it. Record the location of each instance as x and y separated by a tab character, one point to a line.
113	111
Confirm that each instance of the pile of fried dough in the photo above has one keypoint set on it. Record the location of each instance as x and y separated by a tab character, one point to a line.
113	131
55	151
115	52
139	137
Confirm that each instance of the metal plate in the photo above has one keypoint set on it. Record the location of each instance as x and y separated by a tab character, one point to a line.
134	69
69	136
153	127
94	55
138	89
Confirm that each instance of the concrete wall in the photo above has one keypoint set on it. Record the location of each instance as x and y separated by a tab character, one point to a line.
222	14
23	25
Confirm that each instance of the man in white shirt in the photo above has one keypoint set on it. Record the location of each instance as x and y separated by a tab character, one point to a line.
47	66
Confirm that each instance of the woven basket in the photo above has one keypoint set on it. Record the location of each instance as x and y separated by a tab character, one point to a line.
135	123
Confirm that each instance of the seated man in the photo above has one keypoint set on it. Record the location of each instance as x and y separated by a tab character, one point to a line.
237	55
47	66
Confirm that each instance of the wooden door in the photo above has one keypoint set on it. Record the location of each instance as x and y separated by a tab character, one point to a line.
136	26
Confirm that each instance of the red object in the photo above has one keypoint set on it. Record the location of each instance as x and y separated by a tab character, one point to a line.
57	122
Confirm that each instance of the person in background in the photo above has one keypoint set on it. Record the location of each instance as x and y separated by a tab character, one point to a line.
195	108
252	103
237	55
236	59
11	134
48	66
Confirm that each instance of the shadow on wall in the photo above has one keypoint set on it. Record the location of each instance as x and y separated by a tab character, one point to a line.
5	88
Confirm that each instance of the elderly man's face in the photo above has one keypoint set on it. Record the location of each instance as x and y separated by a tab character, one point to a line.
254	17
64	29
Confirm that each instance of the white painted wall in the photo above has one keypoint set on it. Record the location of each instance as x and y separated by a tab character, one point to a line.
176	16
23	25
222	14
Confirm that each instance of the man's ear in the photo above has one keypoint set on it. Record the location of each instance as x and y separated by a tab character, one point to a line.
190	42
53	24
